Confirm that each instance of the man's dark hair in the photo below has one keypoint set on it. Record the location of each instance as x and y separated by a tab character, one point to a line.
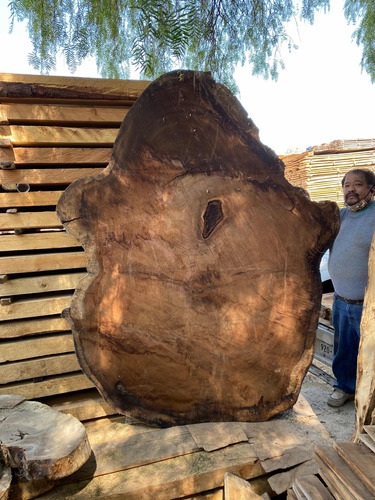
367	174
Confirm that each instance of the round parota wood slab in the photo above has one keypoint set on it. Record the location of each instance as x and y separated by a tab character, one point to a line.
40	443
203	289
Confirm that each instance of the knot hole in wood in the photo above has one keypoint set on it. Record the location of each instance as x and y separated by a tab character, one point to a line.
212	216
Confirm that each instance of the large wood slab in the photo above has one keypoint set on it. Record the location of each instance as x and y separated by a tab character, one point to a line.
203	290
365	387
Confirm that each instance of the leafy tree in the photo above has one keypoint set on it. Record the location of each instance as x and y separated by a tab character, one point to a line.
158	35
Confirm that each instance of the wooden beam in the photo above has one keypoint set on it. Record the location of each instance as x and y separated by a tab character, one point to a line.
35	307
62	88
41	367
29	220
40	284
30	199
49	387
27	327
42	262
45	114
37	241
56	156
45	345
46	176
31	135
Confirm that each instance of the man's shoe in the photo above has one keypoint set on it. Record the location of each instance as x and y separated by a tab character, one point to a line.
339	397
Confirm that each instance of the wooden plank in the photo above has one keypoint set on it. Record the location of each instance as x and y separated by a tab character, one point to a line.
35	307
29	220
62	88
328	458
85	405
337	488
134	451
27	327
46	176
38	241
62	156
368	441
59	384
236	488
51	114
41	367
370	430
361	460
172	478
284	480
30	199
214	435
313	488
39	346
42	262
30	135
50	283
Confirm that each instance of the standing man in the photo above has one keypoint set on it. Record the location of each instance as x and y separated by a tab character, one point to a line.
348	268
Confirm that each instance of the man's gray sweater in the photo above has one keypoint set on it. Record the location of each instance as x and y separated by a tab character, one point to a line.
348	257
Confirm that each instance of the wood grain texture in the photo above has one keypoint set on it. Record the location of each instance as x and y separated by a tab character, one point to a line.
40	284
52	114
203	290
29	220
38	241
365	387
47	345
39	442
30	199
236	488
361	460
46	176
39	326
61	156
59	384
37	87
341	474
42	262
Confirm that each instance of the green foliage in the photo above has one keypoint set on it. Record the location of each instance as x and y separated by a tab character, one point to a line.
364	12
159	35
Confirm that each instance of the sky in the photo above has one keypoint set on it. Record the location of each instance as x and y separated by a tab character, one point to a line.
322	95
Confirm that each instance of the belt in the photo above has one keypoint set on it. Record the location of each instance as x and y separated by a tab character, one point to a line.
349	301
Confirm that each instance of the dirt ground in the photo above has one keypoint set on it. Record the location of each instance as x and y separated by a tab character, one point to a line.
338	422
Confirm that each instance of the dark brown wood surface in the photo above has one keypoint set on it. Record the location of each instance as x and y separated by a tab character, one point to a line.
203	292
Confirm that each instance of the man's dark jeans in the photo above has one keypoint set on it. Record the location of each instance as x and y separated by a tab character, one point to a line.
346	319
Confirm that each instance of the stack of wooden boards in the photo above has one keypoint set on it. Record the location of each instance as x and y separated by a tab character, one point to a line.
320	169
53	130
346	471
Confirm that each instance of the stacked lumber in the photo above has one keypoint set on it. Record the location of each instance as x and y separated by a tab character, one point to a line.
348	469
52	131
321	169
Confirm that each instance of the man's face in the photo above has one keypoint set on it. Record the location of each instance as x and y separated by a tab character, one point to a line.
355	189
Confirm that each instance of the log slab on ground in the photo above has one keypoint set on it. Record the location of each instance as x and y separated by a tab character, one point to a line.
203	292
